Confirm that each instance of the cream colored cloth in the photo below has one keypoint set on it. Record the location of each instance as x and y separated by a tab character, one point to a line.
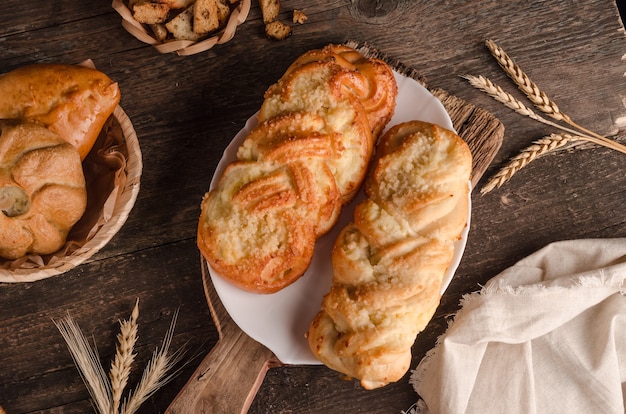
547	335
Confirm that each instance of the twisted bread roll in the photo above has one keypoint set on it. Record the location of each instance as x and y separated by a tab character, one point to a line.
42	189
388	264
307	156
372	86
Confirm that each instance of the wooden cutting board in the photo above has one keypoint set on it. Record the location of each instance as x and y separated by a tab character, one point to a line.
228	378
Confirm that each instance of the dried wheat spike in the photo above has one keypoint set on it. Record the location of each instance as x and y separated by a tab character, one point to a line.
537	149
525	84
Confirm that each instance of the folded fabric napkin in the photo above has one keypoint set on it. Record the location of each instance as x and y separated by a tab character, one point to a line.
547	335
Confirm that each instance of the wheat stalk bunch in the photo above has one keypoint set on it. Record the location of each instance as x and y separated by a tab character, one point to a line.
106	391
574	133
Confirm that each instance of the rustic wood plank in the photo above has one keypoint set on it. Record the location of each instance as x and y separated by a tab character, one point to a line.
187	109
35	361
227	379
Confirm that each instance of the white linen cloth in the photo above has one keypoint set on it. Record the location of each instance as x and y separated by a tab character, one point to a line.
547	335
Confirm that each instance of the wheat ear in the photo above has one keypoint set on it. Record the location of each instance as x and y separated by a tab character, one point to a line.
523	82
539	98
500	95
88	364
124	357
156	374
537	149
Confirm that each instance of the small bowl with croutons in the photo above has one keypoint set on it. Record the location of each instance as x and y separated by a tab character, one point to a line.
185	27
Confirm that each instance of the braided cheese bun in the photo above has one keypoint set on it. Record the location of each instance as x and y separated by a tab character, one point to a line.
307	157
389	263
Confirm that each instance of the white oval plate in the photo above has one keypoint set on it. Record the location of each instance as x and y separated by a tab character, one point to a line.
280	320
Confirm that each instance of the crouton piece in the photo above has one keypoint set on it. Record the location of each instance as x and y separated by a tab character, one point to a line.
205	18
299	17
269	10
150	13
159	31
223	12
181	26
277	30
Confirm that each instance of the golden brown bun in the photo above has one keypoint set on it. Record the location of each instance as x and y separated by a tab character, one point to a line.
389	263
251	232
307	157
72	101
42	189
299	141
370	79
316	89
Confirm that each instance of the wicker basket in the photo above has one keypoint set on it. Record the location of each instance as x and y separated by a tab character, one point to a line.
183	47
112	172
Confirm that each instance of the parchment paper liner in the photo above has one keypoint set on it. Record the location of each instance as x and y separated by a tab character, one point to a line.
183	47
112	172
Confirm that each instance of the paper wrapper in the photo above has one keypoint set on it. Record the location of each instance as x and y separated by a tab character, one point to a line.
183	47
112	173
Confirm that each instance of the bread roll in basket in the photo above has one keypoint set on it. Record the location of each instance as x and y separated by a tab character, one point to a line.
79	105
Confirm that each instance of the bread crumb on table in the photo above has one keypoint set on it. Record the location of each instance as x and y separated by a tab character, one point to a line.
299	17
277	30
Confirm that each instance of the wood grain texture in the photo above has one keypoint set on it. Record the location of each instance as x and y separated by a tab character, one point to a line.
227	379
187	109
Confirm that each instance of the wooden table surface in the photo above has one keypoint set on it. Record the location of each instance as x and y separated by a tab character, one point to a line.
185	111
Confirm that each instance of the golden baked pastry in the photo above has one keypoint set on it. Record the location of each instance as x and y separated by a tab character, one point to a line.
301	142
307	157
371	80
389	263
317	89
72	101
42	189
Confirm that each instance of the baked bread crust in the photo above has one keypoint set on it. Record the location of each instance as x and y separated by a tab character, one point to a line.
371	80
290	139
317	88
388	264
42	189
306	158
70	100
